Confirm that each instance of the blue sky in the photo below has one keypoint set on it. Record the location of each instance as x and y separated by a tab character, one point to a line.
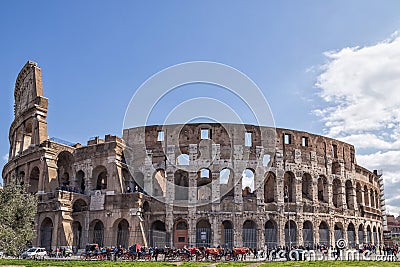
95	54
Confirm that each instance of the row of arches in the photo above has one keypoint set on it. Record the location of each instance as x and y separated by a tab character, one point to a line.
122	234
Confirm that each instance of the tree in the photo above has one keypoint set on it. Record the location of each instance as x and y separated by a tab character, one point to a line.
17	218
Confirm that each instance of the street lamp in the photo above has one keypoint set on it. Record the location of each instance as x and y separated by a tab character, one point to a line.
286	196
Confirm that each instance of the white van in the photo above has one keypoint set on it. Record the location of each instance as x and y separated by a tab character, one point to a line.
34	253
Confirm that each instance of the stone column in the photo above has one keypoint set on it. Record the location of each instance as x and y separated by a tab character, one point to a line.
192	226
215	191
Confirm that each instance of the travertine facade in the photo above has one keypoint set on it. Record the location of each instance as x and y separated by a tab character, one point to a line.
195	184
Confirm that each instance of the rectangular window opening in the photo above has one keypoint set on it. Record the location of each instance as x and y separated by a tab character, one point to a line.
160	136
248	139
205	133
288	139
304	141
334	151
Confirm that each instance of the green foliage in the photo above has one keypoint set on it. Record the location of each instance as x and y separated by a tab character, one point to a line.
17	219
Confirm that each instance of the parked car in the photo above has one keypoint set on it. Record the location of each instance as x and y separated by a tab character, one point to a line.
34	253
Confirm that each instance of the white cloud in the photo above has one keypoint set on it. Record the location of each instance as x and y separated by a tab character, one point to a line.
5	157
360	87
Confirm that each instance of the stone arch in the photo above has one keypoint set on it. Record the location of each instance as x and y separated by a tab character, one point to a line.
349	194
227	240
65	159
227	183
204	179
99	178
203	233
248	182
307	186
271	234
289	185
377	200
96	229
338	231
324	233
290	233
369	235
337	193
366	196
249	234
308	236
34	180
77	234
80	181
159	183
351	235
361	234
46	233
28	135
181	233
146	207
79	206
181	179
374	235
158	234
359	194
121	230
270	188
372	196
322	185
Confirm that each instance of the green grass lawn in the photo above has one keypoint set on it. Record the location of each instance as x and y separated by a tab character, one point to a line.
33	263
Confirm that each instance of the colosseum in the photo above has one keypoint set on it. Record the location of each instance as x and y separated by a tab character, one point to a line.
195	184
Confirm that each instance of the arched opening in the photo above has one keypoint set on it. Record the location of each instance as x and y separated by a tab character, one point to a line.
289	185
227	184
21	178
204	179
80	181
128	181
338	231
375	236
183	159
369	238
377	200
250	234
308	235
349	195
323	234
248	182
322	189
337	193
379	235
64	168
351	236
99	178
203	233
34	180
123	233
158	234
360	234
366	196
270	188
372	196
46	233
307	187
79	206
77	234
290	234
27	135
159	183
227	237
181	179
97	229
271	231
359	194
181	234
